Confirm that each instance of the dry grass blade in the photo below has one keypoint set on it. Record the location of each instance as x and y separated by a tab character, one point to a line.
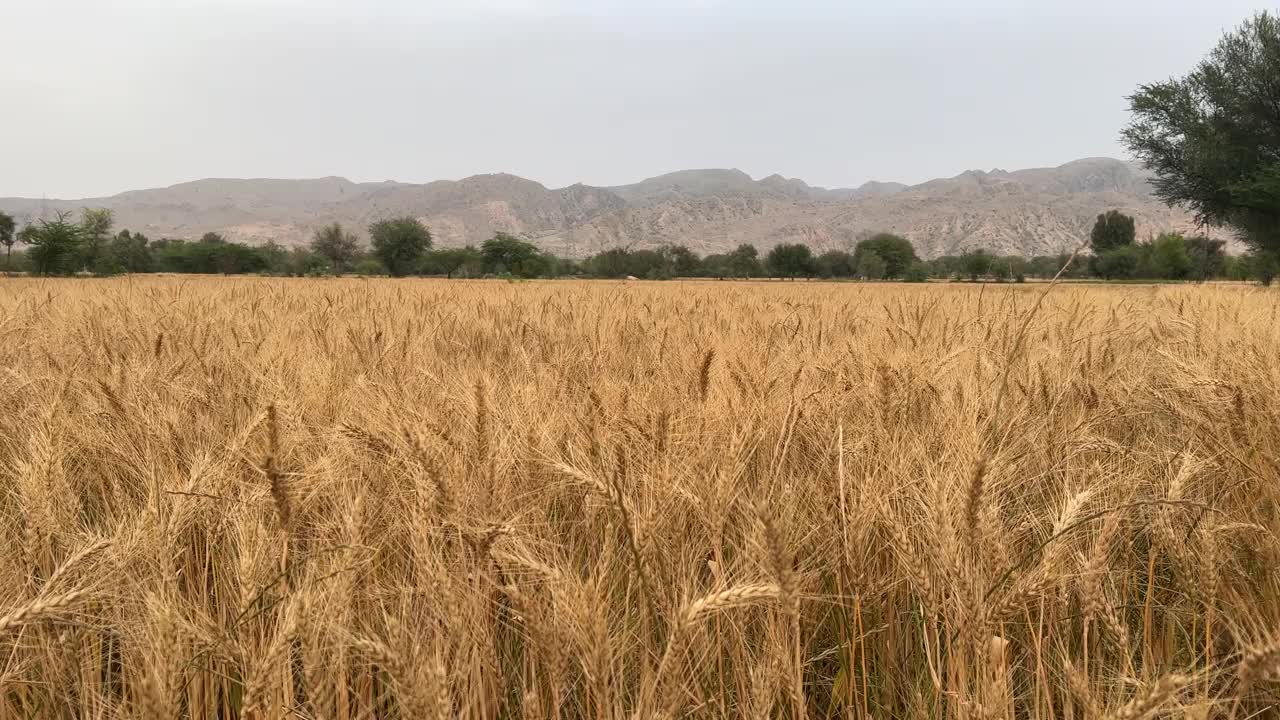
540	500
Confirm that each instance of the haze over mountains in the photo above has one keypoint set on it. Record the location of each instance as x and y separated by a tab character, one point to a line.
1035	211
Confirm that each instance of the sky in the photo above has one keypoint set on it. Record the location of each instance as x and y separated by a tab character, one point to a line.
102	96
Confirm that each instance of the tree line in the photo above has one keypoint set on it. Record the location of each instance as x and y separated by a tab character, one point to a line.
403	246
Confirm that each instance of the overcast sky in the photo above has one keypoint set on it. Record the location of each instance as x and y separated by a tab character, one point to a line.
100	96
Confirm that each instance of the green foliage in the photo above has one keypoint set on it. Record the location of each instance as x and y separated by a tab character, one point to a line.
1167	258
742	262
203	256
125	253
1113	229
975	264
212	238
1120	263
871	266
400	243
834	264
55	246
679	261
1212	138
7	230
1264	266
96	226
8	237
897	253
1208	257
506	254
790	260
462	262
336	246
917	272
620	263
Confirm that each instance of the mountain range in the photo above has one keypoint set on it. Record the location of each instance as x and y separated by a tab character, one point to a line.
1027	212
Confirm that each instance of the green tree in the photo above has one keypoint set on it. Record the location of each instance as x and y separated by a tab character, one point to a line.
1000	270
96	224
335	245
126	252
897	253
8	237
466	261
975	264
680	261
871	266
744	262
1264	266
1212	137
399	243
55	246
505	253
1120	263
1208	257
917	272
212	238
835	263
1112	230
1168	257
790	260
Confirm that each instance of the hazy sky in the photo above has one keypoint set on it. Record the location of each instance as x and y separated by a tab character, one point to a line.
100	96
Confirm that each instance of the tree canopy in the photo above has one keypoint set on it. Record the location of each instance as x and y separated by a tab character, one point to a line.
400	243
55	245
8	236
896	253
335	245
1112	229
1212	138
505	253
790	260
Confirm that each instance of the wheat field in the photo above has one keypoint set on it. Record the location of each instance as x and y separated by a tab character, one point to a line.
265	498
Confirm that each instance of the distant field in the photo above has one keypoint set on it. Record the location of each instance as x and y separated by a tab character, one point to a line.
433	499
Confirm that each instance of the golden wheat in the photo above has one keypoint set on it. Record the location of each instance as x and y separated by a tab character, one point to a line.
341	499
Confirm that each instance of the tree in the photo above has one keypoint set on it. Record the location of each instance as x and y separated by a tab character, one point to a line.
790	260
1169	259
897	253
126	252
7	237
212	238
96	223
1212	138
975	264
399	243
505	253
335	245
834	263
1120	263
1208	257
1264	266
679	261
55	246
917	272
465	261
871	266
1112	230
744	261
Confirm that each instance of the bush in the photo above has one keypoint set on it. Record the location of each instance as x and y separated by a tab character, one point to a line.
916	272
1120	263
369	266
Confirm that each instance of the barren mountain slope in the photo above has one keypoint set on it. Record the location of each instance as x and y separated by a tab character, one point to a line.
1040	210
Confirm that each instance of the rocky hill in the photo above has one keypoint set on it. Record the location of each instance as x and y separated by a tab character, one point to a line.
1040	210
